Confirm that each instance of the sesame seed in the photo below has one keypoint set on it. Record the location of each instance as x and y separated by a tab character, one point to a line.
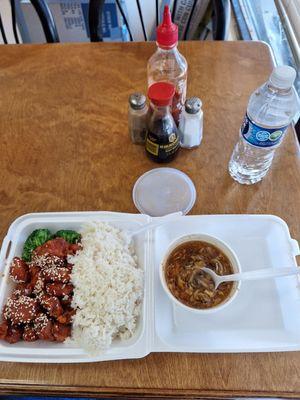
47	261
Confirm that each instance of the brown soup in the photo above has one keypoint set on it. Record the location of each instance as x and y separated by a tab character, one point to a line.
190	285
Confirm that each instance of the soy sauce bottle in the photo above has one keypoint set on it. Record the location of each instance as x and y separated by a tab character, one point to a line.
162	139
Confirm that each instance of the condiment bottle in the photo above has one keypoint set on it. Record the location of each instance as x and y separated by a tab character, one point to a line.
167	64
137	117
191	123
162	140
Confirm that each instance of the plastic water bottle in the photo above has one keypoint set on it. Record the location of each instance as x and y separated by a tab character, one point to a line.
270	110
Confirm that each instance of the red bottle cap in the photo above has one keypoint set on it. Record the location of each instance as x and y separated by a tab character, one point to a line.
161	93
167	32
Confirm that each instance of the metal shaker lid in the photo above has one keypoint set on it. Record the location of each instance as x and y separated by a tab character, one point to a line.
137	100
193	105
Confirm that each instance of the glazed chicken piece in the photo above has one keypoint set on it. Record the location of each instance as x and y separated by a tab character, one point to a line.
3	329
21	311
59	289
61	332
66	301
69	266
22	289
52	305
14	334
43	327
35	273
58	247
18	270
57	274
66	317
29	334
73	248
44	261
33	270
38	284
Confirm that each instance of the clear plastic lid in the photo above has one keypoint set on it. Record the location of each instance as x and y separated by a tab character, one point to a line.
162	191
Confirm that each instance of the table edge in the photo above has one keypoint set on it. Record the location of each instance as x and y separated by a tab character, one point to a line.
110	392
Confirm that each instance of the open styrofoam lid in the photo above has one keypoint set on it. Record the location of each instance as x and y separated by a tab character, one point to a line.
162	191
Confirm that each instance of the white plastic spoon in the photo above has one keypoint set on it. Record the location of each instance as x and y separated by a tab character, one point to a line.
251	275
166	218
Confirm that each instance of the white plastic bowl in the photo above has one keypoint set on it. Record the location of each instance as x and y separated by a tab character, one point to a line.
227	250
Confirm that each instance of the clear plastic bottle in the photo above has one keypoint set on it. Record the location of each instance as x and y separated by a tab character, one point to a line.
270	110
167	64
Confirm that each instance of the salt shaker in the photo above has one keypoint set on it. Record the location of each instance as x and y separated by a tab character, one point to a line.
137	117
191	123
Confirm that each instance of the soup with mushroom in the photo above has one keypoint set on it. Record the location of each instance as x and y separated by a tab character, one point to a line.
186	280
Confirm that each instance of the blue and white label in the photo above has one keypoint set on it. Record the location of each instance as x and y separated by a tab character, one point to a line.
259	136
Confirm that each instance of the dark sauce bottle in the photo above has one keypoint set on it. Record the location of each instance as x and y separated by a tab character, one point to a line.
162	139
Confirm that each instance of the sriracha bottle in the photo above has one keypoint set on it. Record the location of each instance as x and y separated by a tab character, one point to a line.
167	64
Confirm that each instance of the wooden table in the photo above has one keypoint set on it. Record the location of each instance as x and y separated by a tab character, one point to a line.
64	146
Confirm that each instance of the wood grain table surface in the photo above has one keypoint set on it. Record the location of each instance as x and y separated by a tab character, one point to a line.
65	146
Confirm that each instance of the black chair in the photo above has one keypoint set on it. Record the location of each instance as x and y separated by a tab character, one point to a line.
95	20
47	20
220	20
2	31
45	16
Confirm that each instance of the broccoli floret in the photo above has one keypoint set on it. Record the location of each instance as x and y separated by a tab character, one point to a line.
69	235
35	239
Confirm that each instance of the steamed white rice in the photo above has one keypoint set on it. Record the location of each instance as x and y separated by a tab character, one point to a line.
108	288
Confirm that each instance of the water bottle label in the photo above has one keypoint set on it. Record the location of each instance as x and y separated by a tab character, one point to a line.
259	136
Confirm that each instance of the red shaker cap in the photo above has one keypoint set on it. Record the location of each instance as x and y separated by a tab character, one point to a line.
161	93
167	32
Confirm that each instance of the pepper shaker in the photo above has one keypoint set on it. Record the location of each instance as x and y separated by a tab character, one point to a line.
191	123
137	117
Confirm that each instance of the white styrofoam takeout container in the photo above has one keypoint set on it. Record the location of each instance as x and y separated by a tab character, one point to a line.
264	317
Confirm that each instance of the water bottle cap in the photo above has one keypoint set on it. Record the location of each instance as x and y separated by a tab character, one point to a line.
283	77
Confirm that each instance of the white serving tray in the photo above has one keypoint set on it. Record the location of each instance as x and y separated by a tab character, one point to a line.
265	315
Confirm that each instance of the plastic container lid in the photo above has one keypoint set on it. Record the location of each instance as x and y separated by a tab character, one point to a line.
167	32
161	93
162	191
283	77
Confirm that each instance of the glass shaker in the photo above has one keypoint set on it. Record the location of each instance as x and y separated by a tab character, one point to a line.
191	123
137	117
